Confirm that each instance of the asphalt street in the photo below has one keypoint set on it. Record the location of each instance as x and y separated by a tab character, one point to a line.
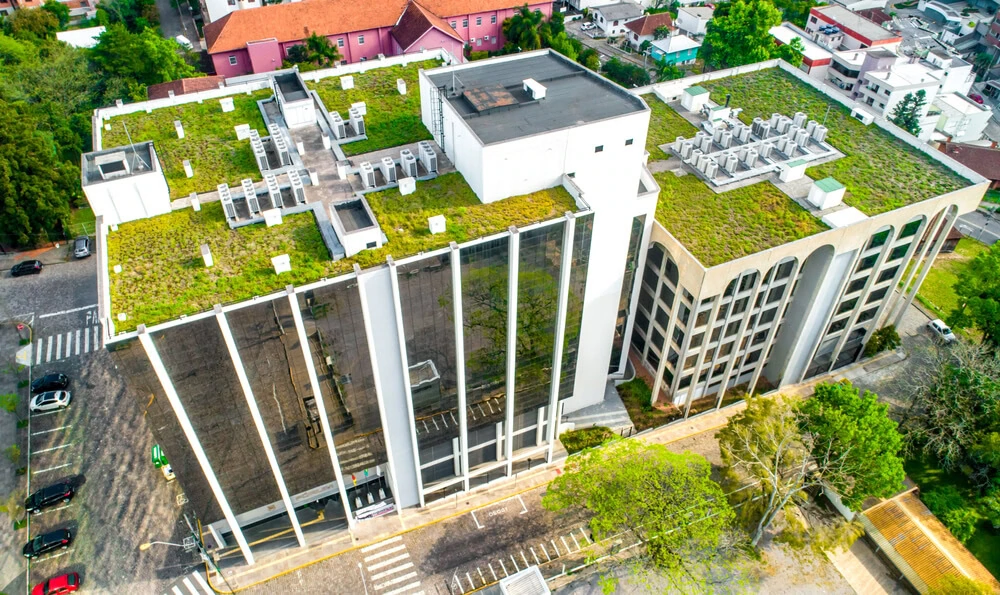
980	225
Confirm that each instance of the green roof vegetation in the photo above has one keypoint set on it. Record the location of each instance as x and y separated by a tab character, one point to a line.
881	173
163	275
209	141
392	119
717	228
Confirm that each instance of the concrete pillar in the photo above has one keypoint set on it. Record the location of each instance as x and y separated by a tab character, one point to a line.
459	328
948	220
925	232
258	422
199	453
513	256
773	331
560	339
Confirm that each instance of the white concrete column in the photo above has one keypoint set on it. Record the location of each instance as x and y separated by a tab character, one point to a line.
459	328
258	421
192	437
758	283
926	232
394	282
377	380
948	220
324	421
513	253
560	339
773	331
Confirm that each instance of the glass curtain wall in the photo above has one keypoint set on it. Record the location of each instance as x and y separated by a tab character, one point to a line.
539	264
583	231
274	362
199	366
335	324
425	292
631	264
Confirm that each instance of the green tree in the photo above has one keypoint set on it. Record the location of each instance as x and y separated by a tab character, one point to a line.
661	32
33	24
978	290
951	507
982	62
795	11
906	114
791	52
135	15
34	184
856	428
139	59
740	34
644	46
523	30
626	74
590	58
321	52
668	72
58	10
565	45
668	500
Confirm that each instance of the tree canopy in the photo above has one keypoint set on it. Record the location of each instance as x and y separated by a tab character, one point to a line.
739	34
317	51
906	114
142	58
978	291
668	500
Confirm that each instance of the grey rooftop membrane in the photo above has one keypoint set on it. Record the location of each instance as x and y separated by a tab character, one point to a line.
492	98
117	163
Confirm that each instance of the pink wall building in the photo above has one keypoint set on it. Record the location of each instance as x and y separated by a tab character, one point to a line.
257	40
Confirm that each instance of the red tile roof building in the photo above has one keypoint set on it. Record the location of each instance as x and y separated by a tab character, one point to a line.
182	86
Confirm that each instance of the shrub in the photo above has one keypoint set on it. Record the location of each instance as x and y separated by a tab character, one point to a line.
478	55
951	507
955	584
577	440
989	507
13	453
8	402
881	340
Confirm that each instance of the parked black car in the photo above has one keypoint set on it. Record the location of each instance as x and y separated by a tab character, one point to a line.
54	381
43	544
45	497
28	267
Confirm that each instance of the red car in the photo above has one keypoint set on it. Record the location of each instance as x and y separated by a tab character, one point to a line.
976	97
67	583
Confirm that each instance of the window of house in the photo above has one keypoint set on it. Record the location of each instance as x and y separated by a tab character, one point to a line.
878	239
465	23
486	38
702	318
628	142
847	305
479	21
493	19
361	40
454	24
733	328
615	24
232	60
838	325
232	2
877	295
697	340
867	315
598	148
478	41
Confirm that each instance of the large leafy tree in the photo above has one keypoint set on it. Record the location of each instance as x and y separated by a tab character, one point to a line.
740	34
978	290
140	59
33	24
906	114
34	184
795	11
523	30
845	422
136	15
58	10
668	500
320	51
626	74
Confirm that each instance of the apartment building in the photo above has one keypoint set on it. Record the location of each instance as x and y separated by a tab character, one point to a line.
735	302
435	346
837	28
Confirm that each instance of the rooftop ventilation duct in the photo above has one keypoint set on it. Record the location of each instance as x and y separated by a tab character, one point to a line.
534	88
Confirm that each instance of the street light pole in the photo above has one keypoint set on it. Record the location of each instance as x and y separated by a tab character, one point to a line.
202	552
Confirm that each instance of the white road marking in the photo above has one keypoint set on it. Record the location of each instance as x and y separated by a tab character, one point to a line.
201	583
534	555
69	343
97	337
555	547
77	350
70	311
385	563
584	533
396	581
472	585
62	553
563	539
493	572
190	586
478	526
386	573
176	590
46	413
381	544
481	577
383	553
38	354
51	468
404	589
52	430
86	341
38	452
55	509
59	346
548	558
524	509
514	562
48	350
525	559
575	541
504	568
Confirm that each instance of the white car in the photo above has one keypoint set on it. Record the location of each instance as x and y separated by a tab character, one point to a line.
941	330
587	26
50	401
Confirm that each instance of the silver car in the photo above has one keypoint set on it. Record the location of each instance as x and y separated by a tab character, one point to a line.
81	247
941	330
50	401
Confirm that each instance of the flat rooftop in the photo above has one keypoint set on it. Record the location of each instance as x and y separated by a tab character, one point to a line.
786	34
163	276
856	23
880	173
117	163
490	95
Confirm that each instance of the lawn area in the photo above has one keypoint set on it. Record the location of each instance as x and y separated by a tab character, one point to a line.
880	172
665	125
992	196
82	222
636	395
985	543
404	218
209	141
163	275
392	119
937	291
577	440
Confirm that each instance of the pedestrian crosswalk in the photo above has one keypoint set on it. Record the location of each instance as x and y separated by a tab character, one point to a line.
390	570
60	346
194	584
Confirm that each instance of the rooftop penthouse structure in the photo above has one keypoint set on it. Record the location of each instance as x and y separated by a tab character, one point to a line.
321	334
784	227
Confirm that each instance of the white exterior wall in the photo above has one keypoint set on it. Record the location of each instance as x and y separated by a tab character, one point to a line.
961	127
690	23
216	9
609	27
299	113
130	198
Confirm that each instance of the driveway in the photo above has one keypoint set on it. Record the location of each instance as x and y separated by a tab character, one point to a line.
603	48
981	225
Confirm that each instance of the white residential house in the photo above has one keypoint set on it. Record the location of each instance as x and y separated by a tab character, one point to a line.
693	20
612	18
959	118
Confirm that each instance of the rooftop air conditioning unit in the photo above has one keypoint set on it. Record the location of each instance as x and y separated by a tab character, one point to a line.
765	150
743	134
706	144
774	120
811	126
751	158
534	88
678	142
227	201
730	163
756	126
408	162
339	128
711	169
800	119
802	138
273	191
686	148
717	135
819	135
250	194
428	158
693	160
388	170
297	189
367	175
357	121
727	139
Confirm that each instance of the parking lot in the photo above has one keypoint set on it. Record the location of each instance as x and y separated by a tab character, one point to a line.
100	443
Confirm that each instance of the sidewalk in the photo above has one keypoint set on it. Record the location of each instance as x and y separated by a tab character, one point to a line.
412	519
54	254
